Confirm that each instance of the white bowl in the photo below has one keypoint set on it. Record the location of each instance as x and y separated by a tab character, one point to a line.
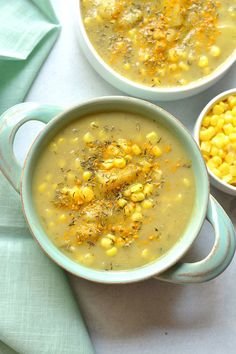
217	182
135	89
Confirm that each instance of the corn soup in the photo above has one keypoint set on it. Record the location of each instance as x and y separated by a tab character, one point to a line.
218	139
162	43
114	190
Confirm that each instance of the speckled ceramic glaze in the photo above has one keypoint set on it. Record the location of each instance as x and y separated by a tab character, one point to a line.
168	267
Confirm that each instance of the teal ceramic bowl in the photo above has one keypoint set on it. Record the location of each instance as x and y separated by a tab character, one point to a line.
169	267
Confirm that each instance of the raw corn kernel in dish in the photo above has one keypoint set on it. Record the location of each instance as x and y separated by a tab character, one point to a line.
218	139
114	191
165	43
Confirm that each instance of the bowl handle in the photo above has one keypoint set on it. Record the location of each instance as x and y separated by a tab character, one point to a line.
217	260
10	122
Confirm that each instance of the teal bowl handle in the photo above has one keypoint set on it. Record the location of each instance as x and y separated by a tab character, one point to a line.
10	122
217	260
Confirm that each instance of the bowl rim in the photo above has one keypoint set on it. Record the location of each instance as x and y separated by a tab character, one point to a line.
231	189
178	90
125	276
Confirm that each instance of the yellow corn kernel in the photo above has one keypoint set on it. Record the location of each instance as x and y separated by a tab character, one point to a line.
112	252
126	66
51	225
224	168
136	188
214	151
120	162
186	182
48	212
128	157
228	128
173	67
42	187
128	209
156	151
206	121
53	147
146	166
228	117
228	178
152	137
127	192
136	216
147	204
88	138
207	134
94	125
87	175
102	135
221	153
217	172
88	20
148	189
74	141
234	113
88	259
122	202
61	140
179	197
173	56
111	237
218	141
144	253
215	51
108	164
106	242
87	194
77	163
157	175
205	147
136	149
232	101
232	137
214	120
137	197
220	124
62	218
216	160
230	157
48	177
203	61
217	109
232	171
184	66
138	208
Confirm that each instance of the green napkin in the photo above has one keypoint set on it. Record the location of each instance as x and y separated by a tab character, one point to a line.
38	313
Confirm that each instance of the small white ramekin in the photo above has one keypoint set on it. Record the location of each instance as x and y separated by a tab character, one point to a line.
135	89
216	182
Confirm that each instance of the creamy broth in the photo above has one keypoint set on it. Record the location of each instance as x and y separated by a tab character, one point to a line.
162	43
114	191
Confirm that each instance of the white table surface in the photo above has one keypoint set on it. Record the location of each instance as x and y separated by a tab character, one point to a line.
150	316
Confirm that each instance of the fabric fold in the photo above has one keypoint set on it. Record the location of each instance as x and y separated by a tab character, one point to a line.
38	312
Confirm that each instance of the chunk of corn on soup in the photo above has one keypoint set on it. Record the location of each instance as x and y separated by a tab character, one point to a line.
161	43
217	141
106	211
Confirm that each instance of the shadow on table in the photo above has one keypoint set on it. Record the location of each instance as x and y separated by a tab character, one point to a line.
129	310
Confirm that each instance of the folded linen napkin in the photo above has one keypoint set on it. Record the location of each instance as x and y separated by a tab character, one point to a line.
38	313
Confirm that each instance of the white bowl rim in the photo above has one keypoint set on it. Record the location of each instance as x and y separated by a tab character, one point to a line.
222	95
217	73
